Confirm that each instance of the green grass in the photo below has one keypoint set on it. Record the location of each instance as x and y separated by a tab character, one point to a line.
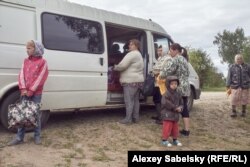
81	164
215	89
101	156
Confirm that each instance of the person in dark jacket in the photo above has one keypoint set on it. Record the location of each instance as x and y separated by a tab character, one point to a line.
238	81
172	106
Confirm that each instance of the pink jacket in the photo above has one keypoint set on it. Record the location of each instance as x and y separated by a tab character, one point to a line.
33	74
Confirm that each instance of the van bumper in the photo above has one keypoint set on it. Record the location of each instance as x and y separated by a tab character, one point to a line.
197	94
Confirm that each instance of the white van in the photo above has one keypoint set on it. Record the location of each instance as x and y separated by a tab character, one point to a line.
80	44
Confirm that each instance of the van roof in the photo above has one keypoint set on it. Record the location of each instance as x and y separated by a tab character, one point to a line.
74	9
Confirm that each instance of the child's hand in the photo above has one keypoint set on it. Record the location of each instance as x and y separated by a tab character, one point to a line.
23	92
178	109
30	93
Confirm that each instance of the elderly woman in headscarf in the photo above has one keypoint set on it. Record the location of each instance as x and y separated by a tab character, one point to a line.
238	81
32	77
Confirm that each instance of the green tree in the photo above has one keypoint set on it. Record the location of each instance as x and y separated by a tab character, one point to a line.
232	43
246	51
215	79
205	69
201	63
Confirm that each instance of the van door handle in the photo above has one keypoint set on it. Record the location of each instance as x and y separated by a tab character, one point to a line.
101	61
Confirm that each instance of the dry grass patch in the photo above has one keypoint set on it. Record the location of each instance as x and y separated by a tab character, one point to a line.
96	139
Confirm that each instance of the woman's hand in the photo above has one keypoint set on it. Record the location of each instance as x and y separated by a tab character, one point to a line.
178	109
156	72
228	91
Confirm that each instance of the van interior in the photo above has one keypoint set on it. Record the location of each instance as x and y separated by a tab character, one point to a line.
117	41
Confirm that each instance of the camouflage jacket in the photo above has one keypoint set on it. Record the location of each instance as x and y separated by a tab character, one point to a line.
158	66
177	66
238	76
160	62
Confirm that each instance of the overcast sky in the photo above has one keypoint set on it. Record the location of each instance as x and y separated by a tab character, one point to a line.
192	23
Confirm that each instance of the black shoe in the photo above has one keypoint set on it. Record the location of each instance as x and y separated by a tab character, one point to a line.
37	141
126	122
158	122
185	132
243	114
155	118
233	115
134	120
15	142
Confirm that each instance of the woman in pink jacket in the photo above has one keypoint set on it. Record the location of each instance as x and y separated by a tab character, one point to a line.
31	80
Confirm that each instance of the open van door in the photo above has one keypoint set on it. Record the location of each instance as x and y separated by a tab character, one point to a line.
77	61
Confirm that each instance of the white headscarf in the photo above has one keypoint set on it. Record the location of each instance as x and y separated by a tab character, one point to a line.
39	49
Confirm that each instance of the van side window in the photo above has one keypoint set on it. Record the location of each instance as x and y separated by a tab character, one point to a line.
160	41
71	34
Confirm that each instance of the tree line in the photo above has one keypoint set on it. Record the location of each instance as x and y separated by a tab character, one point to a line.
229	44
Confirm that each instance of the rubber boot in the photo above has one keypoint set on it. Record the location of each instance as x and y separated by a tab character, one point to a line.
234	114
158	112
243	113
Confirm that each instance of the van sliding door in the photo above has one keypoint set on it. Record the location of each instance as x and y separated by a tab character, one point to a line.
74	49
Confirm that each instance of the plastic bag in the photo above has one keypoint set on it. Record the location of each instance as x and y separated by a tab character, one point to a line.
162	85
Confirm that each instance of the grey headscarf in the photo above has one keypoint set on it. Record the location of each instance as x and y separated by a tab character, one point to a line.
39	49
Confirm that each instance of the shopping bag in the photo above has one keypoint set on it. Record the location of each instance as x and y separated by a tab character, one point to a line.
148	86
23	113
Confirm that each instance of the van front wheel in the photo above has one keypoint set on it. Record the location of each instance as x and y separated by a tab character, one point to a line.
11	99
190	100
44	117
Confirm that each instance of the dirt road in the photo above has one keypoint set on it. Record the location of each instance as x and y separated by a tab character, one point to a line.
95	139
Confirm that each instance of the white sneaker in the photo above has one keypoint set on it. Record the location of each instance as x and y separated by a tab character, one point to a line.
166	143
177	143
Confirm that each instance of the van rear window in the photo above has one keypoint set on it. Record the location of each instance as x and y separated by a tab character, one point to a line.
71	34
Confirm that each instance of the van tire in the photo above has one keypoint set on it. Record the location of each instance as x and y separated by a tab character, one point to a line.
11	99
44	117
190	100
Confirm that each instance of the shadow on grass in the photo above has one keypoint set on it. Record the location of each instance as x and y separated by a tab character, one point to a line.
97	115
